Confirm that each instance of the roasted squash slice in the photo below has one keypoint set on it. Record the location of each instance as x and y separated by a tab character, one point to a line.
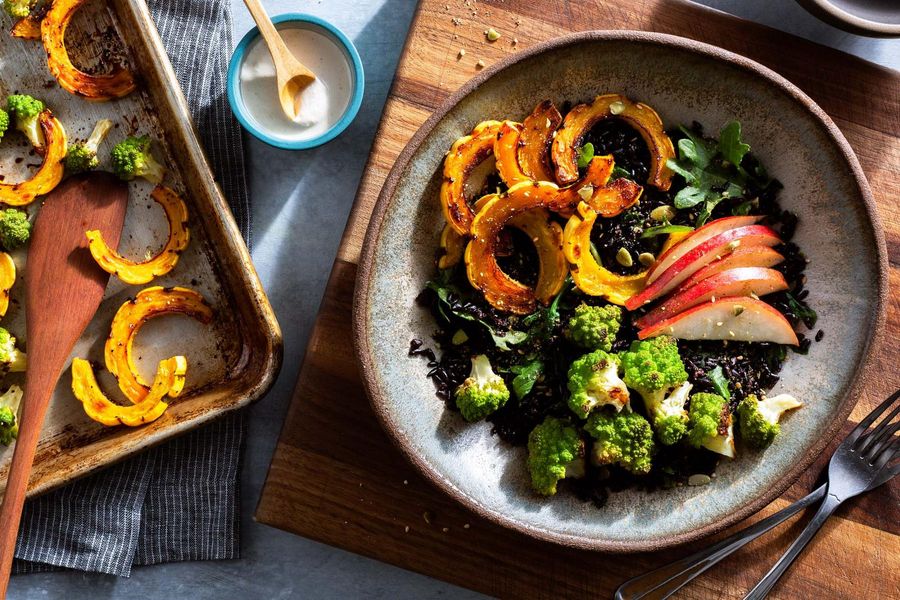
534	143
547	237
117	84
131	316
28	28
137	273
7	279
595	178
615	197
589	275
499	289
169	382
453	246
582	118
465	154
505	152
51	172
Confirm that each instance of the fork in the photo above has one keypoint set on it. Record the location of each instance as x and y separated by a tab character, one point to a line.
861	463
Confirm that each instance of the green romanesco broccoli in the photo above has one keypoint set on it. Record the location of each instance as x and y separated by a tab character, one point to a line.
623	438
555	451
18	9
9	414
11	359
594	327
15	229
25	111
82	156
710	425
594	382
4	122
654	369
482	392
132	158
759	418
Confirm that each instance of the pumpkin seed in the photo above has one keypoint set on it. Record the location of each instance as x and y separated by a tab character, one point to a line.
492	34
586	192
617	108
699	479
623	257
662	213
646	259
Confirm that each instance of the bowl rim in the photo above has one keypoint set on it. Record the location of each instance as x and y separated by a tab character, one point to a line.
836	16
235	98
364	276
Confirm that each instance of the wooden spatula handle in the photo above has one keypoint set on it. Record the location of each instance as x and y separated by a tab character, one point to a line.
38	390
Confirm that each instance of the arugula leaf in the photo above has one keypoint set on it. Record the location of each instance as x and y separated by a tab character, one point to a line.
730	145
664	229
720	382
696	148
542	322
526	376
585	155
503	340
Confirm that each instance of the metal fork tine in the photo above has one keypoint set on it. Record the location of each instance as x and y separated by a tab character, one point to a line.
870	418
884	438
878	434
886	475
885	452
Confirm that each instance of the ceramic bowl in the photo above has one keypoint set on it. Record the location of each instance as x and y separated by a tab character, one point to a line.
874	18
684	81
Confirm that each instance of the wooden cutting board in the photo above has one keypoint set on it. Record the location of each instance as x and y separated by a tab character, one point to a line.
337	479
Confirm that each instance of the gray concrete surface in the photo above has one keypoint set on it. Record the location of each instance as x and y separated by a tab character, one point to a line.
301	202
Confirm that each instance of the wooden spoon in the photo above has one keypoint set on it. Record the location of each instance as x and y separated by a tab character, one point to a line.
63	289
293	76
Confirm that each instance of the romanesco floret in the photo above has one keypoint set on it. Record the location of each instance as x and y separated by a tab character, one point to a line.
15	229
759	418
4	122
132	158
18	9
11	359
9	414
82	156
654	369
482	392
710	425
555	451
623	438
25	111
594	382
594	327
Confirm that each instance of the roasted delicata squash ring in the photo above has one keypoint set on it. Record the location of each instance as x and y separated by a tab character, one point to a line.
535	140
117	84
52	169
547	237
28	28
595	178
465	154
615	197
7	280
589	275
169	382
499	289
131	316
138	273
583	117
505	152
453	246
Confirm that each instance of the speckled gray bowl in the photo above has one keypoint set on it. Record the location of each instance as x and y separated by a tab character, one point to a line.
684	81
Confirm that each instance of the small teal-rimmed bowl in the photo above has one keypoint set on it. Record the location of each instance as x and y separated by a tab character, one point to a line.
244	115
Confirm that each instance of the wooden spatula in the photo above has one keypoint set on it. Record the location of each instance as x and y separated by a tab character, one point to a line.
63	289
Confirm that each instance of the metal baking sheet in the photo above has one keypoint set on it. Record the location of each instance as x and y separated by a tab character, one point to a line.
231	362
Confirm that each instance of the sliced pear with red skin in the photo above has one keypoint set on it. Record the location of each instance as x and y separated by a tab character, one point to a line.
743	281
744	256
695	238
701	255
741	319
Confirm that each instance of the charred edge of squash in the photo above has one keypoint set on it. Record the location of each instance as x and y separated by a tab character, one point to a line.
535	140
117	84
641	117
465	154
505	152
7	280
28	28
138	273
51	171
126	324
615	197
589	276
170	375
596	176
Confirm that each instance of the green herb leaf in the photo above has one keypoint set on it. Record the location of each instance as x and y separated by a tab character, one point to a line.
802	310
585	155
620	173
691	196
696	149
544	321
730	145
720	382
742	209
526	376
503	340
665	229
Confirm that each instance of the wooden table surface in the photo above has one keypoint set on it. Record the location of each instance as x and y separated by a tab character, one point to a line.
336	478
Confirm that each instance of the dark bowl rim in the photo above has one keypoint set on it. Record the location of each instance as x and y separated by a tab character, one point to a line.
364	272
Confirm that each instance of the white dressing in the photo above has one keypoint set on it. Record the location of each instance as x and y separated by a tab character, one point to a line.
322	103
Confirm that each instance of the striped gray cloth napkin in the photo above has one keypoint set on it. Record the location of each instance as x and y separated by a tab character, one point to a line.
178	501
